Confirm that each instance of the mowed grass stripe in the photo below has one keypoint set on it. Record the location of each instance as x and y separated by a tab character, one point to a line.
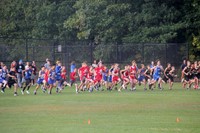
140	111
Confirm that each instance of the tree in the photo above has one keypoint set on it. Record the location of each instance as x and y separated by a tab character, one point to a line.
104	22
192	31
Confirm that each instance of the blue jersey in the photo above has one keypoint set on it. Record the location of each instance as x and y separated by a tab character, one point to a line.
105	75
151	66
142	71
41	77
141	76
4	74
110	75
1	75
158	70
58	72
52	74
27	74
42	73
73	66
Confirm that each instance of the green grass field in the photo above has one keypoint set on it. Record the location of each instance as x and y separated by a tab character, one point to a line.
108	112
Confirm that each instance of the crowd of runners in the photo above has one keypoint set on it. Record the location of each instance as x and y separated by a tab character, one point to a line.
96	76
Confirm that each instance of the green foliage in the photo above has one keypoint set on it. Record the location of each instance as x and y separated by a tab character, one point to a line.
192	18
196	42
35	18
103	21
195	48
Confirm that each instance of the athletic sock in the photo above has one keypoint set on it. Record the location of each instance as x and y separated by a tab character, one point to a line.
24	88
3	88
35	92
28	88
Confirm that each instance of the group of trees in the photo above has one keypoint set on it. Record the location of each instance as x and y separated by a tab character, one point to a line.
104	21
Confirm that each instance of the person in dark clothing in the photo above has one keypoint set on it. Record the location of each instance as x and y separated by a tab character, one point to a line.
19	68
12	80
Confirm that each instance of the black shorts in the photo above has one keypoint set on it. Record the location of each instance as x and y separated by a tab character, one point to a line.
171	78
188	77
62	81
28	81
147	78
165	79
11	83
195	76
198	75
72	82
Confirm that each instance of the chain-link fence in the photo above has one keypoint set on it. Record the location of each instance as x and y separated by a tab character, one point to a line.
78	51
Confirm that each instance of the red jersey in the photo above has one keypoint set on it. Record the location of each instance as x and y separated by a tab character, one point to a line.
89	75
63	74
83	71
115	72
98	74
73	76
46	75
133	71
125	74
115	77
98	71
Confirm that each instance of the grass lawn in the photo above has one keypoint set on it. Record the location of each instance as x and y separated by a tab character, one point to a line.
100	112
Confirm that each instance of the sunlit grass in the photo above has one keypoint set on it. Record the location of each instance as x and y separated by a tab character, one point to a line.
141	111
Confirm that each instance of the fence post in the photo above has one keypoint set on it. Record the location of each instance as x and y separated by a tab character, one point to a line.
33	48
188	51
26	49
91	52
117	52
166	54
53	52
143	53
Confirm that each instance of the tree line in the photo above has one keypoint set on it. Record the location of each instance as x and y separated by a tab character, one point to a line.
120	21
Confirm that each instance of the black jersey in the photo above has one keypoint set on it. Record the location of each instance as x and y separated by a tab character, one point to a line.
11	80
148	72
172	73
188	74
12	73
167	71
194	71
34	69
183	66
188	70
198	75
20	68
